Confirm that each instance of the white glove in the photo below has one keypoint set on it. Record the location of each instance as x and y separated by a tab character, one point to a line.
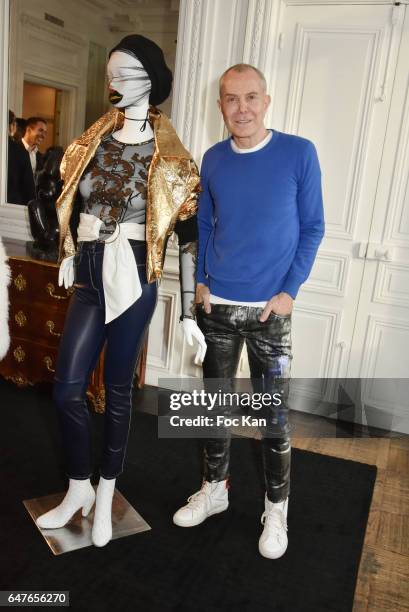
66	272
191	330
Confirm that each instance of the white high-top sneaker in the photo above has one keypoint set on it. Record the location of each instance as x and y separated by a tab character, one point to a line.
273	541
211	499
80	494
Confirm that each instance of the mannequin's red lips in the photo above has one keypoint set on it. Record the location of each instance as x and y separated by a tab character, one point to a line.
114	96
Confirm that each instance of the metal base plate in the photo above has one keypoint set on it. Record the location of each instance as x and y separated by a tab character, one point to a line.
77	533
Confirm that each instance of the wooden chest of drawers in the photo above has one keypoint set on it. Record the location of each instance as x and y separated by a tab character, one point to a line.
36	320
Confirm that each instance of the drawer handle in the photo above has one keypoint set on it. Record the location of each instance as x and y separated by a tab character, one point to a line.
50	288
19	354
50	325
20	282
20	318
48	363
19	380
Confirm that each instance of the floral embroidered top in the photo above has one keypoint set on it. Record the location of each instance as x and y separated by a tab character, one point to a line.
113	187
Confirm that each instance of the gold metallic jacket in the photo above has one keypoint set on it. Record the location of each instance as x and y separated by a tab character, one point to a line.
173	184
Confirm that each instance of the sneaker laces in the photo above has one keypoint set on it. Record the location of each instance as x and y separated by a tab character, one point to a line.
274	520
197	499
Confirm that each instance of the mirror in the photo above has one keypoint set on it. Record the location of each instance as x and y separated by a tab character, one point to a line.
57	61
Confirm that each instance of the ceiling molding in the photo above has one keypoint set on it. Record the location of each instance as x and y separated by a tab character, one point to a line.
124	24
93	5
52	30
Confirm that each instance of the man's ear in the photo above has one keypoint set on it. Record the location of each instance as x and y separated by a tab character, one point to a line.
267	101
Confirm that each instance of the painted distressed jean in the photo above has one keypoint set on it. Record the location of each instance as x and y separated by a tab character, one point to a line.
268	345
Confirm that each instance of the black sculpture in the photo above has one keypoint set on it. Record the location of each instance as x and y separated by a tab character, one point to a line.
41	211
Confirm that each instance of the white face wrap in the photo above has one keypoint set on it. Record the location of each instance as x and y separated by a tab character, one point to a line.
129	83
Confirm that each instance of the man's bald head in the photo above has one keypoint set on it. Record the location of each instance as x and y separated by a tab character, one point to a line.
243	68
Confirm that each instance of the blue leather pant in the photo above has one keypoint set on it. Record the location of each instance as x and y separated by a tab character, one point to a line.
85	334
268	345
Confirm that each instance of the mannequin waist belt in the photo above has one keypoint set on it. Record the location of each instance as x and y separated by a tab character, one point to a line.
122	286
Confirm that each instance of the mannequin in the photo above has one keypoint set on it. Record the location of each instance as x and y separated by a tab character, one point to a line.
129	207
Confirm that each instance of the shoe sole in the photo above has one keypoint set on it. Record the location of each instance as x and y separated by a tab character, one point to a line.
272	556
100	543
223	509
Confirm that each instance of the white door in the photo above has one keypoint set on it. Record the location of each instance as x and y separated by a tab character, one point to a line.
335	74
381	338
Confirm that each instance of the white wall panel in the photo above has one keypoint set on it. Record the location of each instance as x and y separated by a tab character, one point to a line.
329	274
392	284
386	339
313	334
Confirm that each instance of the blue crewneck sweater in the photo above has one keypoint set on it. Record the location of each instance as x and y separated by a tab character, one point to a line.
260	218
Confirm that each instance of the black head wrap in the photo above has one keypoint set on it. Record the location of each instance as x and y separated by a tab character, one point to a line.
152	59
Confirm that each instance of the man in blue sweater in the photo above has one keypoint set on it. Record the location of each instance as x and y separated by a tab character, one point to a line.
260	225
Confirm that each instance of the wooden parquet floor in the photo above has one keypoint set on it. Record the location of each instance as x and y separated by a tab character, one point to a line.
383	579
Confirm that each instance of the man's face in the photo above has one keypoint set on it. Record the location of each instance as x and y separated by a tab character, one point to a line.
243	103
36	134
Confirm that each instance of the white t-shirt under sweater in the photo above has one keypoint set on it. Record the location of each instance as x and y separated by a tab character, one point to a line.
214	299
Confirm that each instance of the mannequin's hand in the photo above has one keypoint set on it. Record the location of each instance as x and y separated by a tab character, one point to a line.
66	272
203	296
281	304
191	330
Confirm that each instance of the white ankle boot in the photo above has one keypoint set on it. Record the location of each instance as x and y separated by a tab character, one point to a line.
80	494
211	499
102	527
273	541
